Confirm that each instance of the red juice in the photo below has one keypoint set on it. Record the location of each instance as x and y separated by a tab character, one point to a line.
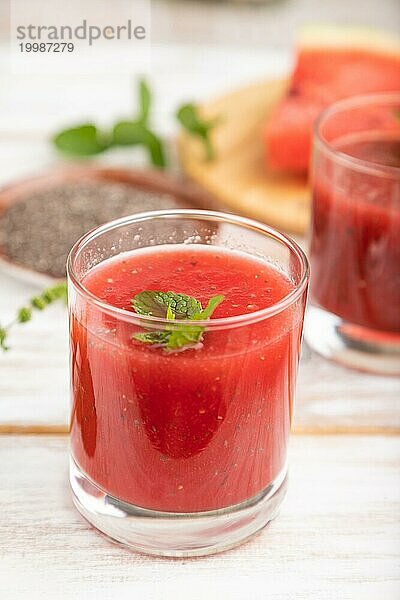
194	430
355	253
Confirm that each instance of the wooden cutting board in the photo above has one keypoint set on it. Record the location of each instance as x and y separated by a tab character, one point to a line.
238	177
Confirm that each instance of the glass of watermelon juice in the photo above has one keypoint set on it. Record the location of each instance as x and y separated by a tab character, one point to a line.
355	234
185	331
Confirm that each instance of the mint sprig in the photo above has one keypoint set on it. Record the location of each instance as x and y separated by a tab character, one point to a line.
87	139
172	306
40	302
190	119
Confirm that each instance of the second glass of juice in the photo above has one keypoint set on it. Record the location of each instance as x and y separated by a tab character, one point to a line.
355	234
182	450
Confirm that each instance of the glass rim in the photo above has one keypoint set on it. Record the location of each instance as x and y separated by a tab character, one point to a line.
366	166
221	322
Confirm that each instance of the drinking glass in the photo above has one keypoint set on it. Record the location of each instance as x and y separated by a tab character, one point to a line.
354	316
182	454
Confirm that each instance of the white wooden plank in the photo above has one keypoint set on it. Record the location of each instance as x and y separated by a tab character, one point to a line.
332	398
34	380
34	372
337	537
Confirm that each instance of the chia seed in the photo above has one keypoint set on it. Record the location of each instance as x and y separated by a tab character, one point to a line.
39	230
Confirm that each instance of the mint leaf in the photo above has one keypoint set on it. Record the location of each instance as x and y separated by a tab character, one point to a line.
144	101
127	133
133	133
83	140
155	303
24	314
184	306
152	337
3	338
173	306
209	309
149	303
188	116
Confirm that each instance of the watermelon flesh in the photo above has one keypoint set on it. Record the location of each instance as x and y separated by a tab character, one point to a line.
322	76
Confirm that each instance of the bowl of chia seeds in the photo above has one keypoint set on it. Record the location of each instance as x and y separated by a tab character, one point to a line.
41	218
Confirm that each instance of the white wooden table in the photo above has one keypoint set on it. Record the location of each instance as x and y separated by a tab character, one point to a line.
338	535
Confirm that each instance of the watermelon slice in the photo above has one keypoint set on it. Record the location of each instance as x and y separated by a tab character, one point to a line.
332	63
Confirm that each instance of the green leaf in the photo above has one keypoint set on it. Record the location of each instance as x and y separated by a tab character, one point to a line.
128	133
156	303
59	291
3	338
209	309
133	133
183	306
144	101
39	302
24	314
150	303
190	119
152	337
83	140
